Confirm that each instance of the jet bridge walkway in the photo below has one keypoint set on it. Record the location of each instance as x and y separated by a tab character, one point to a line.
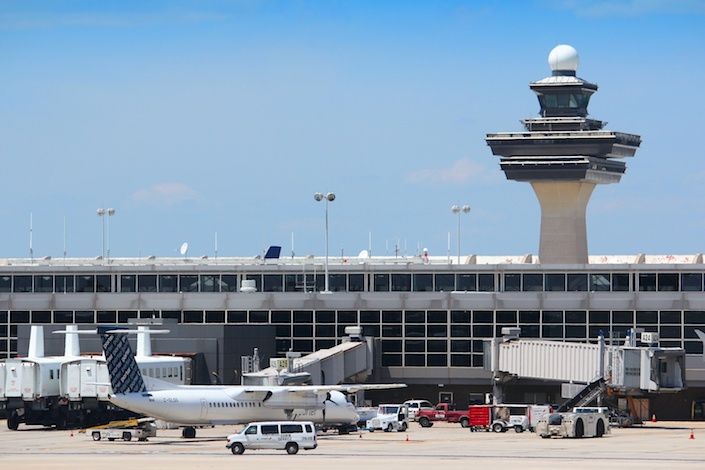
350	361
624	369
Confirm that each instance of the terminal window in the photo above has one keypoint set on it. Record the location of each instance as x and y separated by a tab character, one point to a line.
467	282
43	283
40	316
22	284
128	283
401	282
63	284
532	282
356	282
512	282
5	283
445	283
85	283
168	283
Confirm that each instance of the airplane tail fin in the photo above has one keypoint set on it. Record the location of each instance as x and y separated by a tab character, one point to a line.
125	375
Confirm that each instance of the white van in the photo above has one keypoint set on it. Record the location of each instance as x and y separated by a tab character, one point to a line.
286	435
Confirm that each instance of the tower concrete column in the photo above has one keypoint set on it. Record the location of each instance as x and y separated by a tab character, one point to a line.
563	153
563	228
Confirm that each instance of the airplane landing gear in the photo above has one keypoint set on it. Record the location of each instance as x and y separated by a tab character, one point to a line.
188	432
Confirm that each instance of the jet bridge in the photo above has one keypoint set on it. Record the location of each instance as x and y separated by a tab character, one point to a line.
349	361
627	369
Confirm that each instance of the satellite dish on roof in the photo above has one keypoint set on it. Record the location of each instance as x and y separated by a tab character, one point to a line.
184	248
364	254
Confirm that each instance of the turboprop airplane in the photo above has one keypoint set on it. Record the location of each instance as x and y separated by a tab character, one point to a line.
197	405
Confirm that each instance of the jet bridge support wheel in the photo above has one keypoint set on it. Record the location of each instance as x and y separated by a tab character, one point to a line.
188	432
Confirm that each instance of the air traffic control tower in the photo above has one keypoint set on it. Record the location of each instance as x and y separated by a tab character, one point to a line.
563	154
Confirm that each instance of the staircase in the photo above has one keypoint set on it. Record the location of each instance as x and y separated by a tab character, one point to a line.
585	396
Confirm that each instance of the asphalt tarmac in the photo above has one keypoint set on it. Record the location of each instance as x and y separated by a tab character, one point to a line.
664	445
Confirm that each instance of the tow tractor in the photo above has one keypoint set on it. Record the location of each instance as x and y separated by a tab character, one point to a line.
390	418
573	424
140	429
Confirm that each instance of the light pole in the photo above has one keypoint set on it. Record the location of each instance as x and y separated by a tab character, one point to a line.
111	212
328	197
456	209
101	212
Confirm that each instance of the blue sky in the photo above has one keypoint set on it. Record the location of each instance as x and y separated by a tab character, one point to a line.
196	117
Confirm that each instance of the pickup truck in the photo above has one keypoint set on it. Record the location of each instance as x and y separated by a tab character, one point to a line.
443	412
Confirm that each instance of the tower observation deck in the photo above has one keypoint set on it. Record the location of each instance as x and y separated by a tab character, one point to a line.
563	154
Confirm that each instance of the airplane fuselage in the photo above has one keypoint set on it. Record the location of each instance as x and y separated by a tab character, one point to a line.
233	405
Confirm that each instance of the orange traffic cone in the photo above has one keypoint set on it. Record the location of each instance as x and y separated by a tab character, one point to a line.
653	418
407	438
692	435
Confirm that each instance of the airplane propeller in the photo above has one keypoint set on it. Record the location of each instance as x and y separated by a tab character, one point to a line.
328	398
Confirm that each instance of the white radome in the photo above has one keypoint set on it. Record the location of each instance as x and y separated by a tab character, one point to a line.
563	57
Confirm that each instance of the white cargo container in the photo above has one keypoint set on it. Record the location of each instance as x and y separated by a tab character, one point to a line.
85	378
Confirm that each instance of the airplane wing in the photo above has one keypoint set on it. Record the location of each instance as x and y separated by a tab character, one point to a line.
347	388
315	394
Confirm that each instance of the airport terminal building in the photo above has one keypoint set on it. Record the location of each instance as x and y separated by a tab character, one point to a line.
429	316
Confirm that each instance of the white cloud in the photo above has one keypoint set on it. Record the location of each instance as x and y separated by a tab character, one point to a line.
460	171
164	194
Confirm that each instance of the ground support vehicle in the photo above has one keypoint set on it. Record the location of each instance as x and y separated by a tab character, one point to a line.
480	417
417	405
128	430
443	412
390	418
535	413
519	423
285	435
577	425
621	419
501	418
365	413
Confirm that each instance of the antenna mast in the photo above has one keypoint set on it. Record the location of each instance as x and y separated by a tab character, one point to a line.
31	250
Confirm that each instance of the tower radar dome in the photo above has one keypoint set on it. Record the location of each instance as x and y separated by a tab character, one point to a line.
563	58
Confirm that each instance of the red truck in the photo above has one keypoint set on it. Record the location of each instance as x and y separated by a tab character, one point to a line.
443	412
